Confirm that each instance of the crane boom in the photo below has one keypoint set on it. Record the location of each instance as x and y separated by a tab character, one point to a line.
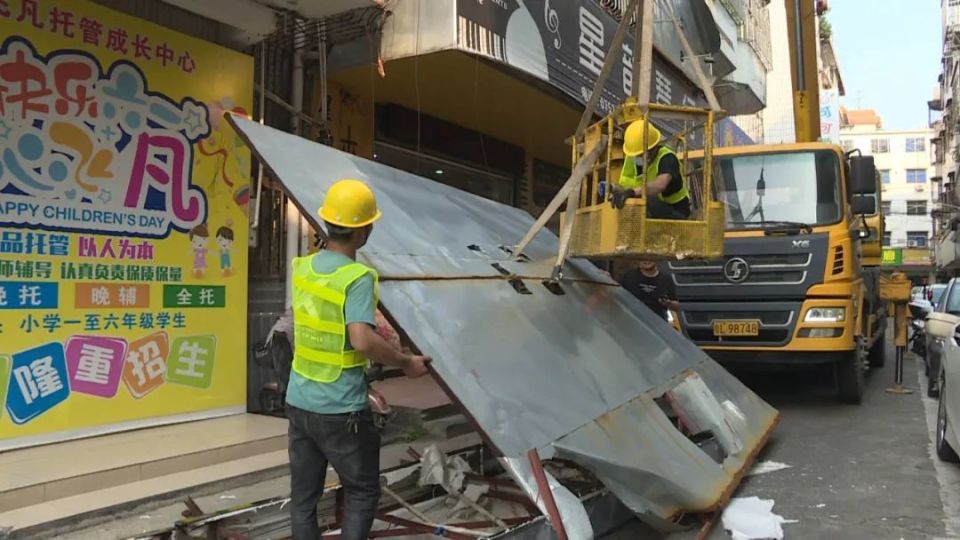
802	39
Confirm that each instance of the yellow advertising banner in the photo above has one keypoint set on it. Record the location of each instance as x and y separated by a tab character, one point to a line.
123	223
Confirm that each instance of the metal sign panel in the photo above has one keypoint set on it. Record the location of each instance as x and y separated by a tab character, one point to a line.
570	372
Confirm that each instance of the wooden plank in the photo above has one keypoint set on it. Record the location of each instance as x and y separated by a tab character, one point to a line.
694	62
637	46
581	170
567	231
644	57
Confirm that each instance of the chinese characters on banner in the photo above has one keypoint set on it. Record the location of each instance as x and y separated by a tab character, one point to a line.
123	212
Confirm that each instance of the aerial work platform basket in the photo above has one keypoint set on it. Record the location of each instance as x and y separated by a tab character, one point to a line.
600	231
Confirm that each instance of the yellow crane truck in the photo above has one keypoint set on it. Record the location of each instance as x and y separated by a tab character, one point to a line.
798	282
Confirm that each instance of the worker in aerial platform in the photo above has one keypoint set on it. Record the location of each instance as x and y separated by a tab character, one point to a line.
334	305
663	183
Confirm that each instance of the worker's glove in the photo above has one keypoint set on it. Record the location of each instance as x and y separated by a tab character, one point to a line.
618	196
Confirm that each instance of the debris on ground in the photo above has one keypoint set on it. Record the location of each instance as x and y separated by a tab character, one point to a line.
764	467
752	518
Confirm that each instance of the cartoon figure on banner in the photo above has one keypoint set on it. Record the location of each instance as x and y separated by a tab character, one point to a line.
225	242
73	132
199	236
224	146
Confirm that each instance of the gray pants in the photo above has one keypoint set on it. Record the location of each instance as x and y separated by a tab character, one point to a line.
351	444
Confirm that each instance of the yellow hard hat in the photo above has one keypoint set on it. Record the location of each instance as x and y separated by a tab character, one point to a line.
633	138
350	203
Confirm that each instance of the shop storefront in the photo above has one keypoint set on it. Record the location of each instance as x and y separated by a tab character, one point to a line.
123	223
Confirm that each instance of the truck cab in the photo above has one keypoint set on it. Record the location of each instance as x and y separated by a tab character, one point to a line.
794	285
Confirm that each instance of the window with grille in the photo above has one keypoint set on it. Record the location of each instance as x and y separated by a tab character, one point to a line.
886	238
915	144
916	238
885	207
916	208
879	146
885	176
916	176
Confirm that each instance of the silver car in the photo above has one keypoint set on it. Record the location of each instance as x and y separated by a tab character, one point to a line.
944	326
945	298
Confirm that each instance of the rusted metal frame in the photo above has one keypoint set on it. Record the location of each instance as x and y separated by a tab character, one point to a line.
382	509
716	509
426	528
505	481
385	533
424	519
516	498
200	521
682	418
408	527
513	522
708	522
543	487
747	464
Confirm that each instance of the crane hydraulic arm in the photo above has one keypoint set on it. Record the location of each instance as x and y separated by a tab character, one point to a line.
802	39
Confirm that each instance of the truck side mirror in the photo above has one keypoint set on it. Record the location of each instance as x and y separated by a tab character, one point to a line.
863	176
863	205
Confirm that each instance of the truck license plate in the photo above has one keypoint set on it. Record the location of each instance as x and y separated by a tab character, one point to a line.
736	328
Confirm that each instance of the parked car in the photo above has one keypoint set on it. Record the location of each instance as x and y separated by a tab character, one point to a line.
950	296
944	327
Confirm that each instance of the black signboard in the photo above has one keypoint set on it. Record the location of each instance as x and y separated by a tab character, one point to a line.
565	42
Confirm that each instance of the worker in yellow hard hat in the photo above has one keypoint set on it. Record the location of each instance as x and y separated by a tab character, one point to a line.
663	183
334	305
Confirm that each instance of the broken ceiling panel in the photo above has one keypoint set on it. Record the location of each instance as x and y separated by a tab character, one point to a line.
585	372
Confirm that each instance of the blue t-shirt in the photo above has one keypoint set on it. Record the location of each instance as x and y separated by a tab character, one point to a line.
349	392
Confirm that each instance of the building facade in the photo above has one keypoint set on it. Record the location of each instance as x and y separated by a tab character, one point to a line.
480	95
904	160
943	120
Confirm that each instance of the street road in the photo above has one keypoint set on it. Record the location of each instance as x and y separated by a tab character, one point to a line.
856	472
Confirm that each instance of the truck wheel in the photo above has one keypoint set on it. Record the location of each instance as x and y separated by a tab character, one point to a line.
877	356
850	378
944	451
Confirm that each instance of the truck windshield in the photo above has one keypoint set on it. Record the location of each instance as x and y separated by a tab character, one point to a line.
773	190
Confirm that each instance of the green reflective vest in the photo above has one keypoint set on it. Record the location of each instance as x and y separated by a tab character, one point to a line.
629	179
320	333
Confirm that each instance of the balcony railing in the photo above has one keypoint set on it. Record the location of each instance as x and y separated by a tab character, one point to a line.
756	32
